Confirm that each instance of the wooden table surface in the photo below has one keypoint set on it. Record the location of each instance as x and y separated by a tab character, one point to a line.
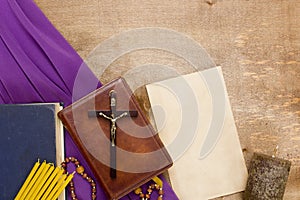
256	42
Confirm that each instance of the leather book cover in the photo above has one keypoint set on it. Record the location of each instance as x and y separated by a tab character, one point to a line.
117	140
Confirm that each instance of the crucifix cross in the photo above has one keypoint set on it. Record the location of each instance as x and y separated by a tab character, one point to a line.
113	115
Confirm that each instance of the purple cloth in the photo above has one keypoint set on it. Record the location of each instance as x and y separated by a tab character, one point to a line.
38	65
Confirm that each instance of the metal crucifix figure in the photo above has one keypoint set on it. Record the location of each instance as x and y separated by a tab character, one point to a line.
113	125
113	115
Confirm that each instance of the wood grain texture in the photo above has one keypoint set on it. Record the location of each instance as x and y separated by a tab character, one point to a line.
256	42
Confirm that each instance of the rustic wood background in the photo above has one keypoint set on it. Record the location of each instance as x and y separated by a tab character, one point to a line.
257	43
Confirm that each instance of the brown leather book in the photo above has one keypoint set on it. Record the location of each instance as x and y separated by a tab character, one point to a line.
117	140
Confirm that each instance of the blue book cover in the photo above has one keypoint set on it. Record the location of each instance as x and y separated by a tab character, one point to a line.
28	132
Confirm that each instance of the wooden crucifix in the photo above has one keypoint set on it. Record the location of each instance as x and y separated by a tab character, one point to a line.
113	115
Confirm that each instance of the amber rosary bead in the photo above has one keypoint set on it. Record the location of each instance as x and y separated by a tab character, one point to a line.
80	170
160	192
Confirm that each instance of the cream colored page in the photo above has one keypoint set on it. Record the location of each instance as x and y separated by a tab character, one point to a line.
60	153
220	173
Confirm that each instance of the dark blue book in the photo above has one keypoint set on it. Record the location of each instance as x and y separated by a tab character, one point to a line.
28	132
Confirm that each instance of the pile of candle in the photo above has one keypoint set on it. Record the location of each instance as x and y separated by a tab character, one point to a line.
44	182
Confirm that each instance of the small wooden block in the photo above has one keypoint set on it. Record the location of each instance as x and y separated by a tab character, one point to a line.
267	178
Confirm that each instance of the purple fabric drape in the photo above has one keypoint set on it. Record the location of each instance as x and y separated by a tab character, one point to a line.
38	65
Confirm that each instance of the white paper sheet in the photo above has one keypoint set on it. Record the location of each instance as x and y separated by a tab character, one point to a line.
195	122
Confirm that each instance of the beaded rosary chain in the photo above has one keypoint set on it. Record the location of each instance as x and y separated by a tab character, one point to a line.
80	171
150	189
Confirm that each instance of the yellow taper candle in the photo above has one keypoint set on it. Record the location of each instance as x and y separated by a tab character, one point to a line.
57	186
35	177
63	186
42	182
49	189
37	183
32	172
54	173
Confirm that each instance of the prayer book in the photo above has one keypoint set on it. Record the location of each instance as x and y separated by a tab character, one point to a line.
194	119
116	138
28	132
